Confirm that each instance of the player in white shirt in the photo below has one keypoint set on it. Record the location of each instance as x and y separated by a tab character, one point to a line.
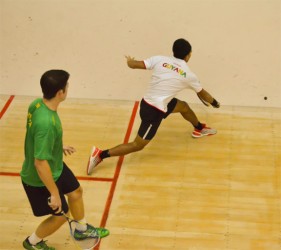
170	76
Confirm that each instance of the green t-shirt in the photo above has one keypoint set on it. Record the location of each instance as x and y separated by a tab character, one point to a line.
43	141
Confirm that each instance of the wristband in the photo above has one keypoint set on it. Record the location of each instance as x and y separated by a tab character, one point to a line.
215	103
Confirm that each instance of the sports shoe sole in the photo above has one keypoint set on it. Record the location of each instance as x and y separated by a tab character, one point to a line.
201	135
92	155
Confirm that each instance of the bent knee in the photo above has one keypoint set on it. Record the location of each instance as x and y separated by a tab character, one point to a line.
181	107
76	194
139	146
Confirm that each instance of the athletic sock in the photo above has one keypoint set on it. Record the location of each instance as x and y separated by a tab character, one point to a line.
81	226
34	239
104	154
199	126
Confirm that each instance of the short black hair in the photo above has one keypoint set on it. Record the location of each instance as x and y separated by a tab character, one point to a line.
181	48
52	81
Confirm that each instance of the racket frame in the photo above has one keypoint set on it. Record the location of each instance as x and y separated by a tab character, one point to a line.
71	229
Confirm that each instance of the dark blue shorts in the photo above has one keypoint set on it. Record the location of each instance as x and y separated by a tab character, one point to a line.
38	196
152	117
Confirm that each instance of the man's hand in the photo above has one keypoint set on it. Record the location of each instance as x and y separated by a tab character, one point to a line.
134	64
68	150
215	104
207	99
129	59
54	202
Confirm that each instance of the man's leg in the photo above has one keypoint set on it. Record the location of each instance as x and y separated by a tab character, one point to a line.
138	144
49	226
38	200
186	112
151	120
127	148
83	230
76	203
46	228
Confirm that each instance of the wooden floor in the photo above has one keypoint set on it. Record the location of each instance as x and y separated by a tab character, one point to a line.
214	193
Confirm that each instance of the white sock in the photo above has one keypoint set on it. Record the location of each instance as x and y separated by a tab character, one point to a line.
34	239
81	226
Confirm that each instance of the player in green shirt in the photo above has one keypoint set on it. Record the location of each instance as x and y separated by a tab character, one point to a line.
44	174
43	141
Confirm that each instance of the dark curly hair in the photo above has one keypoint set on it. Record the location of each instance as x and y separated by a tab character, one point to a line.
181	48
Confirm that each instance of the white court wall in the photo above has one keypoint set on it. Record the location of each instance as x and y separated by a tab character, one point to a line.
236	46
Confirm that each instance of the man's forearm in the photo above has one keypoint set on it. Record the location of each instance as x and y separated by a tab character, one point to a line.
45	174
206	97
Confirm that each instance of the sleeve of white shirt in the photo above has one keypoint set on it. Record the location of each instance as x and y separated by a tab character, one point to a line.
194	83
150	62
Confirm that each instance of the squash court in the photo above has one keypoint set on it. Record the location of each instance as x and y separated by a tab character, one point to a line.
220	192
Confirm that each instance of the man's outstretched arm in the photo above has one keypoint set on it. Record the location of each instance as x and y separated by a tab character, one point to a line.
134	64
207	99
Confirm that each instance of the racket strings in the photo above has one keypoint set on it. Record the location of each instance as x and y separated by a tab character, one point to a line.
91	235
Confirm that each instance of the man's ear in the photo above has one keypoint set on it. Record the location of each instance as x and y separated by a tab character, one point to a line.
59	93
187	57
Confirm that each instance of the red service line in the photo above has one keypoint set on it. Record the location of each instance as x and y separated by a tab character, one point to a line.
83	178
9	174
87	178
6	106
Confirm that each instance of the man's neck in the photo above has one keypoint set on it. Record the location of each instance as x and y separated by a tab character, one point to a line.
51	104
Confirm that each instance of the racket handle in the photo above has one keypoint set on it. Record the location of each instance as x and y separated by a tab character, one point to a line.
61	213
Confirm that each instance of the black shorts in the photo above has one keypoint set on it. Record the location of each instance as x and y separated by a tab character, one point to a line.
152	117
38	196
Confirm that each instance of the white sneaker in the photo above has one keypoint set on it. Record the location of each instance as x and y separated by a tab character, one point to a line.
204	131
94	159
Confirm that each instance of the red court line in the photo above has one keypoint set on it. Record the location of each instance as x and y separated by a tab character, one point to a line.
117	172
6	106
84	178
9	174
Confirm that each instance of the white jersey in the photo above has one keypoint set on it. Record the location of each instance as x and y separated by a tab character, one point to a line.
170	76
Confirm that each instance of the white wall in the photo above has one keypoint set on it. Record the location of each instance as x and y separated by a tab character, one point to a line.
236	46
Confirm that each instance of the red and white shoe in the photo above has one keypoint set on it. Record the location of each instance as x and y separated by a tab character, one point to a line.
204	131
94	159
